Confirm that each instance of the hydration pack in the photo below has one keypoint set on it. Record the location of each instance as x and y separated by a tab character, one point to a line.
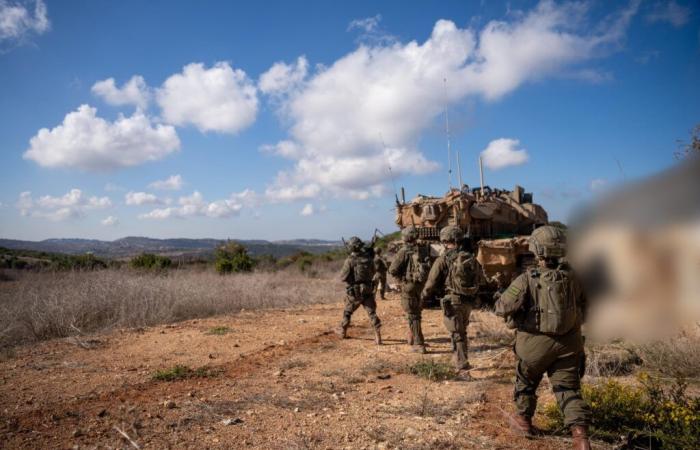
418	266
554	310
363	268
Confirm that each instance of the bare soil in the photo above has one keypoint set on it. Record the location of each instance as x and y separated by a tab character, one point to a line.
285	381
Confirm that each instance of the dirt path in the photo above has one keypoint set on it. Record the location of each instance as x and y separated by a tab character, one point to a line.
281	380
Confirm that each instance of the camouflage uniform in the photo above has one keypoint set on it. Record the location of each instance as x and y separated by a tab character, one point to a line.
410	293
548	340
357	273
380	269
456	304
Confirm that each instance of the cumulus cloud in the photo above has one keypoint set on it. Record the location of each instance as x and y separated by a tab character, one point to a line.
338	112
669	12
89	142
109	221
195	206
504	152
172	183
307	210
368	24
220	99
18	23
133	92
74	204
283	78
141	198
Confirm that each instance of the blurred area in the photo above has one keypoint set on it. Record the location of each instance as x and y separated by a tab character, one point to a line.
637	249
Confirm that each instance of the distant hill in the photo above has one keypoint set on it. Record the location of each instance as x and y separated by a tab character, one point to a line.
133	245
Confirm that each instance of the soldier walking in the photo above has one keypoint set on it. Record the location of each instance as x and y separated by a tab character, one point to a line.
547	306
410	269
458	274
379	273
357	273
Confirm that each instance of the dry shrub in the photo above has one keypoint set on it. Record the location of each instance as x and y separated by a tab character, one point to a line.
677	358
611	360
42	306
491	328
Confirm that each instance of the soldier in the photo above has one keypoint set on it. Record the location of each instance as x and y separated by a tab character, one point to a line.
458	274
410	269
357	272
547	306
379	273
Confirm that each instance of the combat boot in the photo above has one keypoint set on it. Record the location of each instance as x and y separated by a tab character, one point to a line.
521	424
580	435
342	332
377	336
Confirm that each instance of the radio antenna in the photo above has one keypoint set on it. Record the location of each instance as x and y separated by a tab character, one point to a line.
447	133
391	174
459	171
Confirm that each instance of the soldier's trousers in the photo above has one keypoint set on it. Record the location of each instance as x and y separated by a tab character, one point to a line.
560	358
456	319
411	304
353	302
380	284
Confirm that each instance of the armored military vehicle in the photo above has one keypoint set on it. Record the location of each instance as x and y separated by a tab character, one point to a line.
497	221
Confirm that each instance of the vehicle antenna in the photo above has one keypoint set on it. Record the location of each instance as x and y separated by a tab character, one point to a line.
391	174
447	132
459	171
619	166
481	175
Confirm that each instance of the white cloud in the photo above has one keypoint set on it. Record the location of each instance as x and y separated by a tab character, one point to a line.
671	13
109	221
172	183
89	142
307	210
598	184
74	204
337	113
141	198
504	152
368	24
18	23
113	187
195	206
218	99
133	92
282	78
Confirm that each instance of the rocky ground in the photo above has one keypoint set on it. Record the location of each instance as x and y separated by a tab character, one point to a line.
277	379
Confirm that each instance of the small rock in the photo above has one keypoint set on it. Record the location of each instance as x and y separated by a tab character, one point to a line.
211	356
236	345
296	410
234	421
278	373
384	376
190	394
169	404
102	413
77	432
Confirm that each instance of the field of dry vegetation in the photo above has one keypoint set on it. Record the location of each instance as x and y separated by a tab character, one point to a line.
39	306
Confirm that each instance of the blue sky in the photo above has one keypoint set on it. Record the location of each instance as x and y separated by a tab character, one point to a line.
224	119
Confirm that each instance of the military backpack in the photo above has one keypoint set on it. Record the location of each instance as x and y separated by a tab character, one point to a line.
418	266
363	268
462	277
554	310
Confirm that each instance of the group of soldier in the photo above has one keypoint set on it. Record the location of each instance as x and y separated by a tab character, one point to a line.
546	306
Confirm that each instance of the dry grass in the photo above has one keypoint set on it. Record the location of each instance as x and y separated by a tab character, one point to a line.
40	306
676	358
491	328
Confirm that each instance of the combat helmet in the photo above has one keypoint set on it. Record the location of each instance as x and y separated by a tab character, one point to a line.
409	234
451	233
548	242
355	244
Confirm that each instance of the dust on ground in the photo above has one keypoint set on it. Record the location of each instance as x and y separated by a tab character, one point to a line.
278	379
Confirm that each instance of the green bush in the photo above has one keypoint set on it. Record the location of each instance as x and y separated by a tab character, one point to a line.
666	417
233	257
432	370
149	261
180	372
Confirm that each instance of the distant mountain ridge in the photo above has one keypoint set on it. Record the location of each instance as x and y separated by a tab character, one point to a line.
133	245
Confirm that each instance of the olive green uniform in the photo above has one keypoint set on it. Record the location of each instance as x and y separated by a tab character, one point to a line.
380	275
410	290
456	304
557	355
360	292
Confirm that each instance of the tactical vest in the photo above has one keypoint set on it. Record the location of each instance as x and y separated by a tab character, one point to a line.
553	309
462	276
417	268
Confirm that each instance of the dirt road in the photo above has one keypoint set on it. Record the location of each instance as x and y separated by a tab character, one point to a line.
277	379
